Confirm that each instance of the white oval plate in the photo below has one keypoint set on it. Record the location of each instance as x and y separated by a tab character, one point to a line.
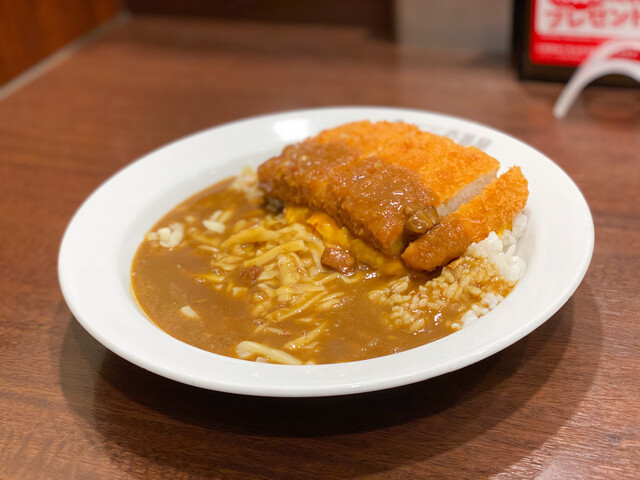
102	238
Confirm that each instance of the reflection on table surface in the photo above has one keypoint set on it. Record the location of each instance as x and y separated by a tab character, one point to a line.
562	402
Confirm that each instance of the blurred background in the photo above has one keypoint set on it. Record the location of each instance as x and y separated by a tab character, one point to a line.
87	86
543	39
31	30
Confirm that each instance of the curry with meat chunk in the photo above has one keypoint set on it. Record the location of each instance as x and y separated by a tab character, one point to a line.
230	273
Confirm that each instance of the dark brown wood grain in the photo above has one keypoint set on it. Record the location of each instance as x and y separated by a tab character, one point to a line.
32	29
563	402
376	15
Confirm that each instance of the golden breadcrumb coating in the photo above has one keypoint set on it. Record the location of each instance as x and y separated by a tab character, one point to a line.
372	176
444	166
491	210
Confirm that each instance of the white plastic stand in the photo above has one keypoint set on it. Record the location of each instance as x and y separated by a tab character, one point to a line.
598	64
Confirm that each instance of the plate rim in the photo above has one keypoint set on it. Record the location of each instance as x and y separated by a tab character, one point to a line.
312	389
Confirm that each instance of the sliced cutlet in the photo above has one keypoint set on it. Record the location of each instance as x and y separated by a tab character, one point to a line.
451	172
373	176
491	210
373	200
370	197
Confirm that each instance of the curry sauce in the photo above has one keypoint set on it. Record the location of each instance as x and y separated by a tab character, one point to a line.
225	273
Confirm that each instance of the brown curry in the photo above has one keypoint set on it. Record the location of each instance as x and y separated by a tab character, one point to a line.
227	273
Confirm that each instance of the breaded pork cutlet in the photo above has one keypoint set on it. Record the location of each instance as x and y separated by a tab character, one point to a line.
374	200
452	173
490	211
377	178
368	196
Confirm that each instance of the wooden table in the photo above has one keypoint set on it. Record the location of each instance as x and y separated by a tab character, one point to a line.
563	402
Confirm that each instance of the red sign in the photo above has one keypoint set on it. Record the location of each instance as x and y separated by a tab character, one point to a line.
564	32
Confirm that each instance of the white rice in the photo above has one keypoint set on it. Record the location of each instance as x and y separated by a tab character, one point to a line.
501	251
